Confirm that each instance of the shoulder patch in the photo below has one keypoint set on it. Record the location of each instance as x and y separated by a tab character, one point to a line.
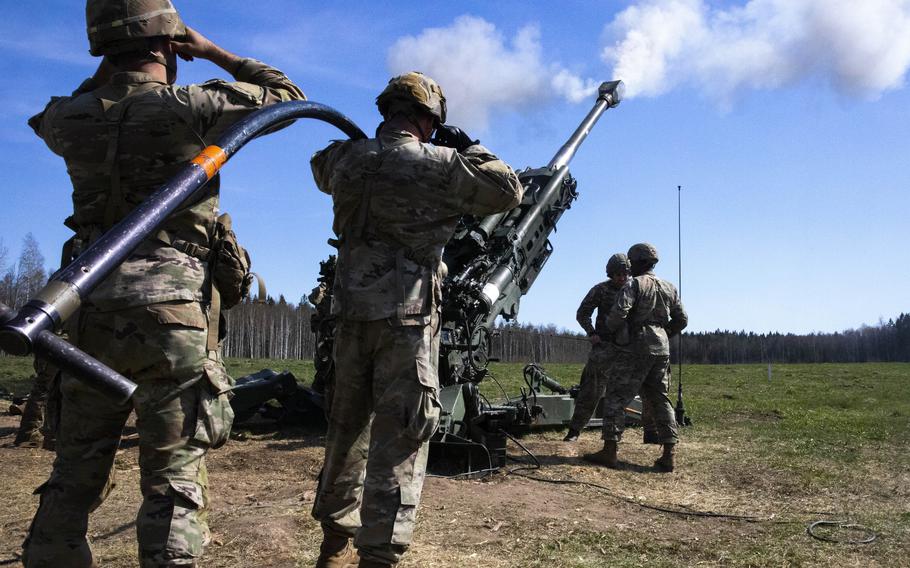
246	92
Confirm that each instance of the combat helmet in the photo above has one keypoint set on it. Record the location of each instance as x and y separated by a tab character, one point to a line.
413	89
116	26
643	252
617	264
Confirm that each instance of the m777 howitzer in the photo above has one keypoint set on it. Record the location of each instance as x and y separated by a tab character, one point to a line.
492	261
30	329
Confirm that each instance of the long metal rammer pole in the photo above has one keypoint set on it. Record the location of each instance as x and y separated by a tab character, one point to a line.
31	329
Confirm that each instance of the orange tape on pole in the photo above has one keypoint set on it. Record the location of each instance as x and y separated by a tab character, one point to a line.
211	159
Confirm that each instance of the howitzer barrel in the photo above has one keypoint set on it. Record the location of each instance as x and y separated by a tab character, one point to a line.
609	95
536	222
65	292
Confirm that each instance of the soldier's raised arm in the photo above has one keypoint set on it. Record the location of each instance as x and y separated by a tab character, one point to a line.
42	122
217	104
323	164
484	183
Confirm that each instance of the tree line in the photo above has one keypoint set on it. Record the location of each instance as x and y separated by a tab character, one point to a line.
278	329
886	341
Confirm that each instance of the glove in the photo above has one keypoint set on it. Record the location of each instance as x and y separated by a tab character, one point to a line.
452	137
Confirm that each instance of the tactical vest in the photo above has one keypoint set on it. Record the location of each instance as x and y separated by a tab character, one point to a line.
124	140
378	274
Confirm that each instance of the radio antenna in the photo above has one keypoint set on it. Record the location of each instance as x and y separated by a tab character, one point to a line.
681	418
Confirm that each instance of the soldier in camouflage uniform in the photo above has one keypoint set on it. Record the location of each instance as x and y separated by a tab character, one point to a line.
36	428
600	298
649	310
123	133
397	201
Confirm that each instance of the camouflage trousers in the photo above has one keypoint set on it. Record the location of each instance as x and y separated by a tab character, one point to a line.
629	374
593	382
39	417
385	408
182	410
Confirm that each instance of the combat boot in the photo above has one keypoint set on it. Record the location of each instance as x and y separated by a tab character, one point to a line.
665	462
49	443
29	434
336	551
572	435
28	439
606	457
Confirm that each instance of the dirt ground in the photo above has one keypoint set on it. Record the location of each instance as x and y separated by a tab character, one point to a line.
263	486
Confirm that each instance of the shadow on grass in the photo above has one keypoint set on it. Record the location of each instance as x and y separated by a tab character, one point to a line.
122	528
554	460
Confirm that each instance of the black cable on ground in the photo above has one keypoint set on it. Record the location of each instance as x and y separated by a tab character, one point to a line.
611	493
869	537
681	510
688	512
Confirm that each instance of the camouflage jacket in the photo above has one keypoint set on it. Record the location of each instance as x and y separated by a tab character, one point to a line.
122	140
601	298
651	309
397	202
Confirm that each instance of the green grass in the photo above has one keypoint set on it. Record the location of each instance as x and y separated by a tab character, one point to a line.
808	416
16	374
833	437
303	370
824	412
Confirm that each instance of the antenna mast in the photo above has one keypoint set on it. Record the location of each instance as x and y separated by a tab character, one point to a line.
681	419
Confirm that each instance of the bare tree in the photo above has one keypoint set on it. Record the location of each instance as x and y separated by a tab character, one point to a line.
3	254
30	273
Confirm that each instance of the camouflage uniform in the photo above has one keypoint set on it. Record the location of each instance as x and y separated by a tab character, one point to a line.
397	202
150	319
38	416
600	298
651	311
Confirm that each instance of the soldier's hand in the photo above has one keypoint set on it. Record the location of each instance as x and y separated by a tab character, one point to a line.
196	45
452	137
595	339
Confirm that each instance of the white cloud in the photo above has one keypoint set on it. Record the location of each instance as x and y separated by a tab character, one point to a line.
859	48
481	72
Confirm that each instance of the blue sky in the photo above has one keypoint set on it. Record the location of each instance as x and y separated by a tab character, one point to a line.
787	124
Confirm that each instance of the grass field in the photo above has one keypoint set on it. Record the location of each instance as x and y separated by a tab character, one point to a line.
815	442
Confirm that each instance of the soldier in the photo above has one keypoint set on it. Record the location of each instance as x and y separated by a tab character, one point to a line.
649	310
36	428
600	298
397	201
322	324
123	133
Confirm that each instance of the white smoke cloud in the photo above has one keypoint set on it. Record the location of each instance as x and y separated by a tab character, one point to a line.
480	72
859	48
